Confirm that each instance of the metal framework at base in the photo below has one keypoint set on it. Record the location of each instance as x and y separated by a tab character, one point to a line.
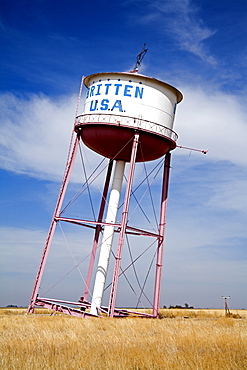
82	307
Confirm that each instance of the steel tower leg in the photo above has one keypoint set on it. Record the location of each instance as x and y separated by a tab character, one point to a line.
98	230
107	238
161	240
61	195
113	293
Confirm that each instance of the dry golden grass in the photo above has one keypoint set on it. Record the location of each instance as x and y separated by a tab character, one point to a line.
200	313
62	342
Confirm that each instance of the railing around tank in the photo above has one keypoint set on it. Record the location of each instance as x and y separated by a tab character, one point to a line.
125	121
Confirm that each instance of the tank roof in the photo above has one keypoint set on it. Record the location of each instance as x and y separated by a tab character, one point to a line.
134	74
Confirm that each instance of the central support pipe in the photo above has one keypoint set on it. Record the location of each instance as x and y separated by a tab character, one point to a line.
97	231
107	238
113	293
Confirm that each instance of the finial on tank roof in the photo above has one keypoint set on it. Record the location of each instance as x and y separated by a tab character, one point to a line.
139	59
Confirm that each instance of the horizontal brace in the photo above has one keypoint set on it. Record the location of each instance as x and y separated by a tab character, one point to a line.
143	232
63	309
84	222
79	303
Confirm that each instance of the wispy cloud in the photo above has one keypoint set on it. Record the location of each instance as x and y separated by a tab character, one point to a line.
21	250
34	132
2	27
211	118
180	19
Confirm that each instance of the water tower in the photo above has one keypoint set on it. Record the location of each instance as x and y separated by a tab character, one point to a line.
128	118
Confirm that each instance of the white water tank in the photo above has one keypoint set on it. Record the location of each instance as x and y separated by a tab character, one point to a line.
118	104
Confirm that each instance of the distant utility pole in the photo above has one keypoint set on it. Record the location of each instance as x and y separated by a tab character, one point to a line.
227	311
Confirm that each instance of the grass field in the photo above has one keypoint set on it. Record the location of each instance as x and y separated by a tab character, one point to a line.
183	339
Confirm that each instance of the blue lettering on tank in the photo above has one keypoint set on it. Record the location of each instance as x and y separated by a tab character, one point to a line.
98	90
117	88
107	88
127	90
139	91
104	104
92	91
93	105
117	105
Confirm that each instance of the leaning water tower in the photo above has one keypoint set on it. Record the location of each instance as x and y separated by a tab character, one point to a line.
127	118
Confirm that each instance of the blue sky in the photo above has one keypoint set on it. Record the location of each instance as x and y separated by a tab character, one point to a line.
197	46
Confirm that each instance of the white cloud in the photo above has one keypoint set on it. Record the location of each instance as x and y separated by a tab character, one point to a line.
181	20
229	192
26	242
210	118
35	134
20	257
203	261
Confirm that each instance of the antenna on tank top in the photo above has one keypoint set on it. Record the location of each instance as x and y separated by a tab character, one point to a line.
139	59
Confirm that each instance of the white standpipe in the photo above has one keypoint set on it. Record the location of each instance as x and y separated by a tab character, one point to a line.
107	238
